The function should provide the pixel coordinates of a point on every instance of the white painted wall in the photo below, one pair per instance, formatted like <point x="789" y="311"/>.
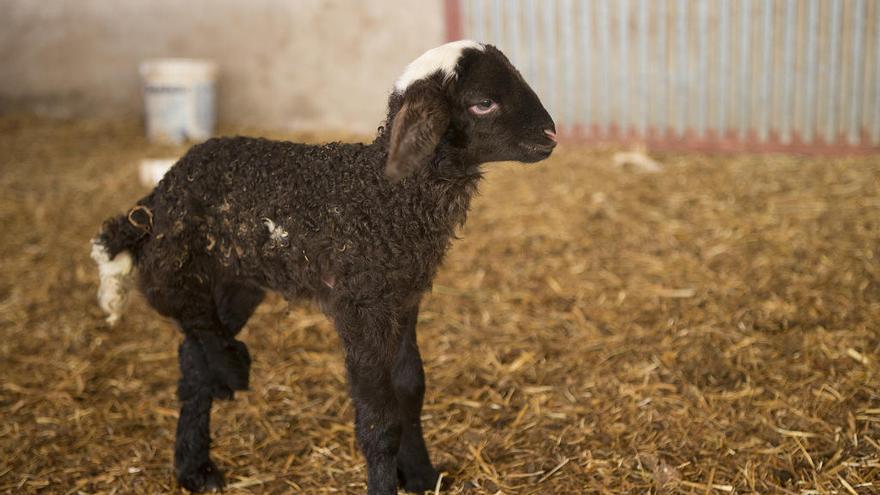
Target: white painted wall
<point x="287" y="64"/>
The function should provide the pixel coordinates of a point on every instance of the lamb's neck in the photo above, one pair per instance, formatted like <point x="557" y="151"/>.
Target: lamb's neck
<point x="447" y="182"/>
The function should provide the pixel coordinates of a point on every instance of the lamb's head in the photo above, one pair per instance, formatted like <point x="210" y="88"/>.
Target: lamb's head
<point x="470" y="96"/>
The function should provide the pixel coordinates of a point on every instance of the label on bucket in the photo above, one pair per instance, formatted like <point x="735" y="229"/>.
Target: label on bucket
<point x="204" y="112"/>
<point x="179" y="113"/>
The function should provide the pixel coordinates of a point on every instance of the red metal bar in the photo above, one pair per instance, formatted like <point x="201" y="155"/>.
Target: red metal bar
<point x="713" y="143"/>
<point x="452" y="14"/>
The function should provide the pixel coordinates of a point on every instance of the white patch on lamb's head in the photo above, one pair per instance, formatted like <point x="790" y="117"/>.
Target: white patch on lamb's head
<point x="443" y="58"/>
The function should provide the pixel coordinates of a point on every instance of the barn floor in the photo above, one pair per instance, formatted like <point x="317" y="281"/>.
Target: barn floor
<point x="712" y="328"/>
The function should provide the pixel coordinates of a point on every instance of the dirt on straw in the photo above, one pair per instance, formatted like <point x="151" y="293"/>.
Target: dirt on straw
<point x="712" y="328"/>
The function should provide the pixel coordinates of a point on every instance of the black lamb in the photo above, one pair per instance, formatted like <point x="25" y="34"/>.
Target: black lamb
<point x="361" y="228"/>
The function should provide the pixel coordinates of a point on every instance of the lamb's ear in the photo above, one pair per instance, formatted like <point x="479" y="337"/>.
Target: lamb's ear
<point x="417" y="129"/>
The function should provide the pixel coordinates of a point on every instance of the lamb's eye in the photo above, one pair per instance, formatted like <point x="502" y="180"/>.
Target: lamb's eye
<point x="483" y="107"/>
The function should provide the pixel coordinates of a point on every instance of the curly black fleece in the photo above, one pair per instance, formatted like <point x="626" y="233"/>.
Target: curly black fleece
<point x="346" y="225"/>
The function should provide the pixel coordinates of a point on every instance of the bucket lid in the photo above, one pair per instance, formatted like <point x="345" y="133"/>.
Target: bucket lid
<point x="178" y="70"/>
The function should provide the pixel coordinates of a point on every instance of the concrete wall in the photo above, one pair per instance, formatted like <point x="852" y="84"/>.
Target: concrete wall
<point x="291" y="64"/>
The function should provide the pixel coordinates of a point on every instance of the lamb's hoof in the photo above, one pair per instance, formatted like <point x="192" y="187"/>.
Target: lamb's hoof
<point x="205" y="478"/>
<point x="421" y="481"/>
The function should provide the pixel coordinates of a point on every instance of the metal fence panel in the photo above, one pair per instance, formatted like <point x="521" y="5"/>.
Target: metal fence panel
<point x="713" y="74"/>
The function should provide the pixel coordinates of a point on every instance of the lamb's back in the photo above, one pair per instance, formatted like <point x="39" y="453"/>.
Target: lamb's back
<point x="250" y="201"/>
<point x="243" y="171"/>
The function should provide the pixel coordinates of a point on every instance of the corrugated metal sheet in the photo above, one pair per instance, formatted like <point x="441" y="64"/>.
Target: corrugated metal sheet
<point x="743" y="74"/>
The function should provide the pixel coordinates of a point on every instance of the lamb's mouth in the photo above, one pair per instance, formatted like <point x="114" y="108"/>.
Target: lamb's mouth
<point x="538" y="151"/>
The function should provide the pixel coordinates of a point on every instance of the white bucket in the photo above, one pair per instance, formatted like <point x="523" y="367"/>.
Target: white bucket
<point x="179" y="99"/>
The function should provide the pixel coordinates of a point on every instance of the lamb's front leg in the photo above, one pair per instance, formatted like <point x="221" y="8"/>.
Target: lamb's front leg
<point x="413" y="463"/>
<point x="370" y="344"/>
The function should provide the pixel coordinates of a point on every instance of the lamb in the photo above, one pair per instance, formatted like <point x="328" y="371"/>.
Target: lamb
<point x="361" y="228"/>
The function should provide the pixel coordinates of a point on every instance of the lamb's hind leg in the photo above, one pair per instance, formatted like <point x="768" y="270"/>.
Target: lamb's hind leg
<point x="213" y="365"/>
<point x="236" y="302"/>
<point x="196" y="391"/>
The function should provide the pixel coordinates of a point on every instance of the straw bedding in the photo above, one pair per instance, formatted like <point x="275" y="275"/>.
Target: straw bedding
<point x="711" y="328"/>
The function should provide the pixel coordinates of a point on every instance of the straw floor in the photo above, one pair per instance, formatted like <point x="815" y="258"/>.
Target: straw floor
<point x="712" y="328"/>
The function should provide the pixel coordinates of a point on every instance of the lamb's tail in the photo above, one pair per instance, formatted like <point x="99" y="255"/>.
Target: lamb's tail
<point x="115" y="250"/>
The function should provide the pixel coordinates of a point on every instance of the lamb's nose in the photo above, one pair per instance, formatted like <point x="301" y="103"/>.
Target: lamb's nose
<point x="550" y="134"/>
